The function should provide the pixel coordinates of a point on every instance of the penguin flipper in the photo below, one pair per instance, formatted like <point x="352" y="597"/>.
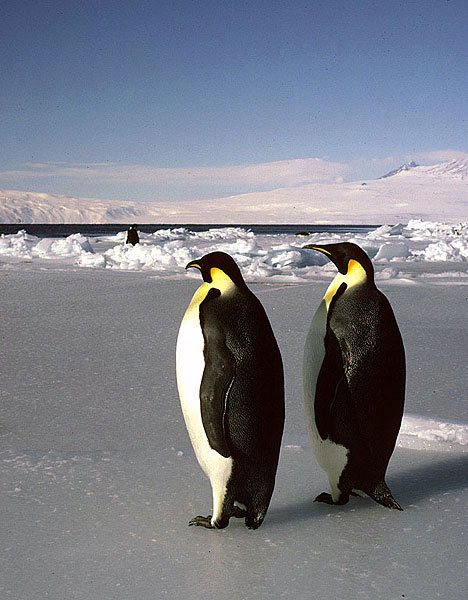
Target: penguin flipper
<point x="216" y="382"/>
<point x="217" y="378"/>
<point x="331" y="386"/>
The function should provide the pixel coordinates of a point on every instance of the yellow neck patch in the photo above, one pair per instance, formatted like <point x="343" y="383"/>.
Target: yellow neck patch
<point x="355" y="275"/>
<point x="221" y="281"/>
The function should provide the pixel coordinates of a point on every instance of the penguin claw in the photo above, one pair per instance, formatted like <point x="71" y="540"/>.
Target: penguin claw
<point x="202" y="522"/>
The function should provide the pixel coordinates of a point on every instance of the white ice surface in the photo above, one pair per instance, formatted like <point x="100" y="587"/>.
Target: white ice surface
<point x="414" y="250"/>
<point x="98" y="479"/>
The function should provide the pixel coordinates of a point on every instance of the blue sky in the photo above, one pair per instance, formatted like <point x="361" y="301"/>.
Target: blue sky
<point x="185" y="99"/>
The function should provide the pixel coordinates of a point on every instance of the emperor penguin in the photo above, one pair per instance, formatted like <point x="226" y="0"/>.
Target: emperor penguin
<point x="231" y="388"/>
<point x="354" y="380"/>
<point x="132" y="235"/>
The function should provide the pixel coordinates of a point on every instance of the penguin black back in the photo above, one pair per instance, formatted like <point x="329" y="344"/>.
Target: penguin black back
<point x="132" y="235"/>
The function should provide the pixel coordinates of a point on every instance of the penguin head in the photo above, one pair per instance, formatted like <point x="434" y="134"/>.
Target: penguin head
<point x="347" y="257"/>
<point x="218" y="268"/>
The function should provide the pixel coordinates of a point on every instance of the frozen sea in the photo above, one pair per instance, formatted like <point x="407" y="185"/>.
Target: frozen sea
<point x="98" y="479"/>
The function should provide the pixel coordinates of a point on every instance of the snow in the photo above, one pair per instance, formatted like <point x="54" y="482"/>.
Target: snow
<point x="455" y="168"/>
<point x="97" y="476"/>
<point x="406" y="167"/>
<point x="420" y="432"/>
<point x="433" y="193"/>
<point x="401" y="251"/>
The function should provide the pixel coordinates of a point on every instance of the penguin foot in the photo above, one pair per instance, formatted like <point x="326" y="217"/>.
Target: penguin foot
<point x="202" y="522"/>
<point x="324" y="497"/>
<point x="206" y="522"/>
<point x="328" y="499"/>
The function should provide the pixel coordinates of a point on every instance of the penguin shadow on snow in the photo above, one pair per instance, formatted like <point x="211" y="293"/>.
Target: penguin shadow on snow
<point x="308" y="509"/>
<point x="300" y="511"/>
<point x="411" y="486"/>
<point x="424" y="481"/>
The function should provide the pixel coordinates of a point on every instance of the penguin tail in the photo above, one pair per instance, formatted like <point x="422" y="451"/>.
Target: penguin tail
<point x="382" y="494"/>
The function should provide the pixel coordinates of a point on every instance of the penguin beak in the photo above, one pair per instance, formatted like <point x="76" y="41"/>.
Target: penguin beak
<point x="318" y="248"/>
<point x="332" y="252"/>
<point x="194" y="264"/>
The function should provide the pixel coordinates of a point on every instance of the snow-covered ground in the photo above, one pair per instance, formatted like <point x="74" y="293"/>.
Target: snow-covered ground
<point x="431" y="193"/>
<point x="98" y="478"/>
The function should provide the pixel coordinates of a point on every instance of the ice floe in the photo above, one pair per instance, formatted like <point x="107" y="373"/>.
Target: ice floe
<point x="280" y="257"/>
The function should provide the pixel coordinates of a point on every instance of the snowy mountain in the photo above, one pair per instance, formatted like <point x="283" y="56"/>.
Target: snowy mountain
<point x="454" y="168"/>
<point x="437" y="193"/>
<point x="406" y="167"/>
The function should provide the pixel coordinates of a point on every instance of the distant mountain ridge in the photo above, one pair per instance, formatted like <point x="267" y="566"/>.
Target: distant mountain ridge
<point x="456" y="168"/>
<point x="31" y="207"/>
<point x="438" y="193"/>
<point x="406" y="167"/>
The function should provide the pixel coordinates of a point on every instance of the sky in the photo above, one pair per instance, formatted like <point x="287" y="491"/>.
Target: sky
<point x="171" y="100"/>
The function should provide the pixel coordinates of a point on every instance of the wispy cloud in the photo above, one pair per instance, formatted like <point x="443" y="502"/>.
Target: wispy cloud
<point x="264" y="175"/>
<point x="387" y="161"/>
<point x="146" y="182"/>
<point x="436" y="156"/>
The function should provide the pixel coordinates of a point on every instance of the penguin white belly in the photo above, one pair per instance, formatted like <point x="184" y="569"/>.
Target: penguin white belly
<point x="330" y="456"/>
<point x="190" y="364"/>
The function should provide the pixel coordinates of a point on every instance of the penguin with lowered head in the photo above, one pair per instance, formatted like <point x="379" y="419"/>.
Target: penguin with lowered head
<point x="231" y="388"/>
<point x="354" y="380"/>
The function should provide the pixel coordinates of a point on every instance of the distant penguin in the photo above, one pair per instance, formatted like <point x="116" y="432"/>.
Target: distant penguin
<point x="354" y="380"/>
<point x="231" y="388"/>
<point x="132" y="235"/>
